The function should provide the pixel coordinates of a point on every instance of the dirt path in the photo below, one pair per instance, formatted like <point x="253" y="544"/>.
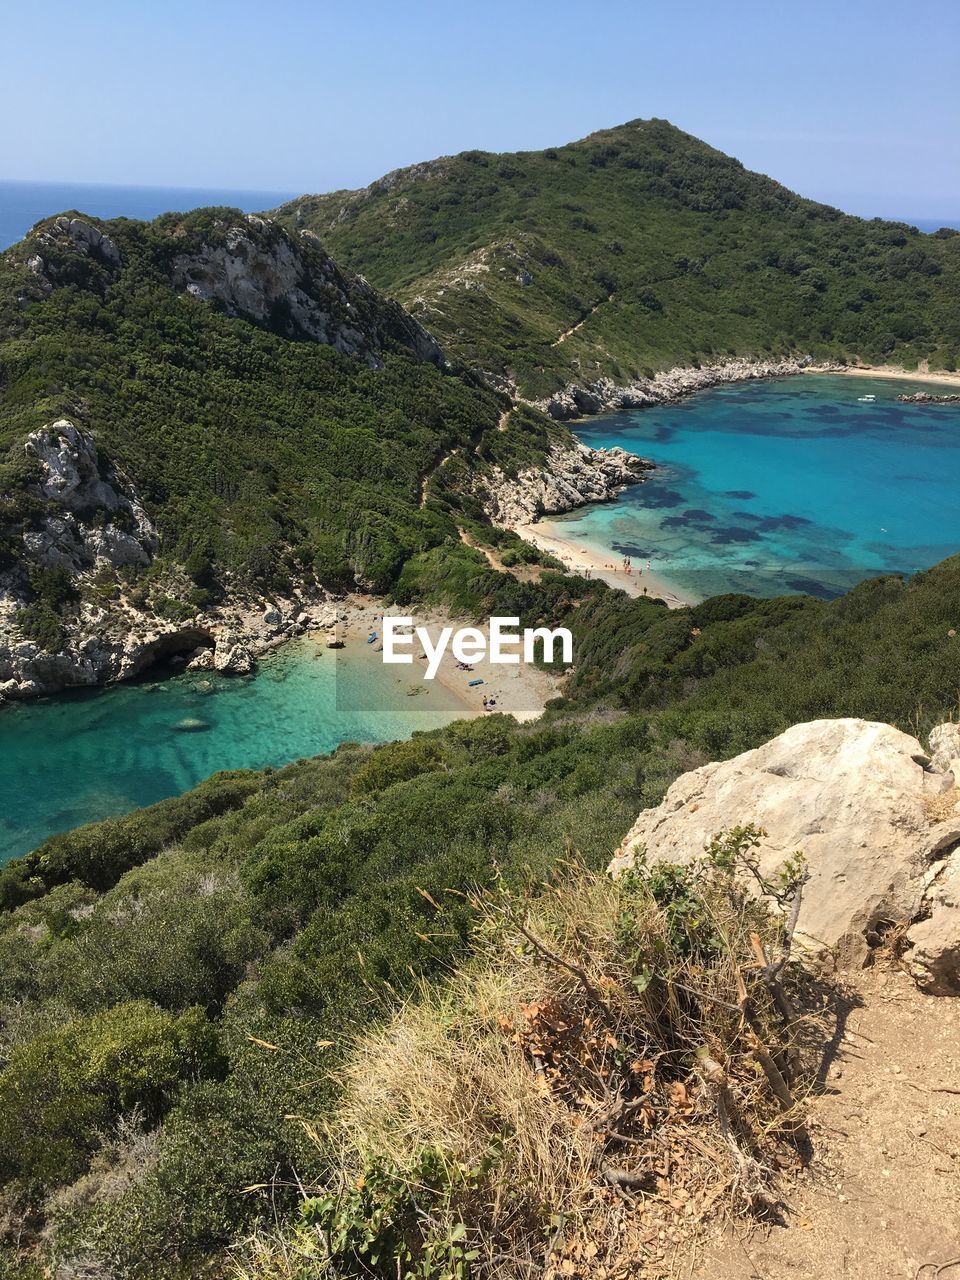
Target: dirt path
<point x="522" y="572"/>
<point x="881" y="1201"/>
<point x="445" y="458"/>
<point x="580" y="323"/>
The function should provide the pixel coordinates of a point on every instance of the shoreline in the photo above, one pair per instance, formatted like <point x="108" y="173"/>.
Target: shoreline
<point x="520" y="691"/>
<point x="941" y="377"/>
<point x="579" y="558"/>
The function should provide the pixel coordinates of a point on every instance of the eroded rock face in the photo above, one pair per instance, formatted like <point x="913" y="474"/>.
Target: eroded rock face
<point x="91" y="519"/>
<point x="83" y="237"/>
<point x="258" y="272"/>
<point x="880" y="827"/>
<point x="572" y="476"/>
<point x="603" y="395"/>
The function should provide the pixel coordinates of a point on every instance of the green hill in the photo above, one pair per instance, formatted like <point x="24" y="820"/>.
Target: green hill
<point x="275" y="415"/>
<point x="203" y="411"/>
<point x="646" y="248"/>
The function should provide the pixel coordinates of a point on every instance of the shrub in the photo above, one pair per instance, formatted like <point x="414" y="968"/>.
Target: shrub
<point x="62" y="1089"/>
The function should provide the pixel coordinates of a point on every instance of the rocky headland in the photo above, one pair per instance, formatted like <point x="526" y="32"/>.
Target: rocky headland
<point x="90" y="534"/>
<point x="571" y="476"/>
<point x="926" y="397"/>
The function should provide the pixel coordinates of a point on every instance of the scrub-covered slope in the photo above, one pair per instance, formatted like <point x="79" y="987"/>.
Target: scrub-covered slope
<point x="635" y="249"/>
<point x="178" y="987"/>
<point x="204" y="413"/>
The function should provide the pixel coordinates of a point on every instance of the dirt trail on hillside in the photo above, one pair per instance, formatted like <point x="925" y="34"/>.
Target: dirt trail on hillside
<point x="881" y="1200"/>
<point x="580" y="323"/>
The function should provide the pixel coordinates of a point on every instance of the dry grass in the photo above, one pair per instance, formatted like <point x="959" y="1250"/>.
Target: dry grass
<point x="575" y="1102"/>
<point x="940" y="808"/>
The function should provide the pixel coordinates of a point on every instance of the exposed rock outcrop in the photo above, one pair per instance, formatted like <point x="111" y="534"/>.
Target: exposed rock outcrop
<point x="77" y="234"/>
<point x="578" y="401"/>
<point x="89" y="520"/>
<point x="877" y="818"/>
<point x="254" y="269"/>
<point x="571" y="476"/>
<point x="927" y="397"/>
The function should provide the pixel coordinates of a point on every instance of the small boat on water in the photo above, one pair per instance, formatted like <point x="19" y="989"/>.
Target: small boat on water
<point x="867" y="398"/>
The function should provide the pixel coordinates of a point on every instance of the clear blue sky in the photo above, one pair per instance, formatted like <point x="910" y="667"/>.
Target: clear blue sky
<point x="850" y="102"/>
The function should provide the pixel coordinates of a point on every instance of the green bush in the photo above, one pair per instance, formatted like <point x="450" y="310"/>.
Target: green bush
<point x="63" y="1089"/>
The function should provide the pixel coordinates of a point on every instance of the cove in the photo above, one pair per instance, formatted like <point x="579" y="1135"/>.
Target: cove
<point x="793" y="485"/>
<point x="88" y="755"/>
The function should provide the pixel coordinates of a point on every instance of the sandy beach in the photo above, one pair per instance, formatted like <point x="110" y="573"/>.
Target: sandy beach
<point x="550" y="536"/>
<point x="520" y="691"/>
<point x="940" y="376"/>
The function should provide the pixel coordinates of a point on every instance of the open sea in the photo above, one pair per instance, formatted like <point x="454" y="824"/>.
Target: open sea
<point x="24" y="203"/>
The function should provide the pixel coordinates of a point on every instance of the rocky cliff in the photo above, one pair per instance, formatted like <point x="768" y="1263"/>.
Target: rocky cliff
<point x="251" y="268"/>
<point x="85" y="530"/>
<point x="572" y="475"/>
<point x="877" y="816"/>
<point x="605" y="395"/>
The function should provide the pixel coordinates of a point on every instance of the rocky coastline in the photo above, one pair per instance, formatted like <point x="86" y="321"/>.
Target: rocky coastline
<point x="104" y="646"/>
<point x="572" y="476"/>
<point x="604" y="395"/>
<point x="90" y="528"/>
<point x="926" y="397"/>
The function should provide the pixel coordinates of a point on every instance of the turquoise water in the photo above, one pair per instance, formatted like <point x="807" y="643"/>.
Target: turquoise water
<point x="792" y="485"/>
<point x="85" y="756"/>
<point x="761" y="487"/>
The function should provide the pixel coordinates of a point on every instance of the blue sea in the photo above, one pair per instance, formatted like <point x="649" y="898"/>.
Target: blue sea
<point x="24" y="203"/>
<point x="772" y="487"/>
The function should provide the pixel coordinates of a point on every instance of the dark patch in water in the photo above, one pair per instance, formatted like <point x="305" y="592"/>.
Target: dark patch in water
<point x="627" y="549"/>
<point x="770" y="524"/>
<point x="663" y="435"/>
<point x="662" y="498"/>
<point x="732" y="534"/>
<point x="744" y="495"/>
<point x="695" y="518"/>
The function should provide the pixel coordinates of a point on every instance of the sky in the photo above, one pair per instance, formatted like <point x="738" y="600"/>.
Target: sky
<point x="853" y="103"/>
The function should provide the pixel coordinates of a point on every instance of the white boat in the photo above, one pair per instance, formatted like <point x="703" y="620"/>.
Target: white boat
<point x="866" y="397"/>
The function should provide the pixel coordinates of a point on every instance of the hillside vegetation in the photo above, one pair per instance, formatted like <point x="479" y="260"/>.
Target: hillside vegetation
<point x="279" y="425"/>
<point x="179" y="987"/>
<point x="635" y="249"/>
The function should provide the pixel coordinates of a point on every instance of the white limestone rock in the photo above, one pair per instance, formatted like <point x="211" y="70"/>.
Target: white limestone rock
<point x="576" y="401"/>
<point x="865" y="805"/>
<point x="572" y="476"/>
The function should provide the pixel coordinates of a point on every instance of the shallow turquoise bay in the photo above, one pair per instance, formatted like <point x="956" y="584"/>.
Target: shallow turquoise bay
<point x="85" y="756"/>
<point x="791" y="485"/>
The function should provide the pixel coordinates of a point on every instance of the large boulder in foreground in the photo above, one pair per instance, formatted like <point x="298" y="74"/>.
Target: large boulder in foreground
<point x="879" y="823"/>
